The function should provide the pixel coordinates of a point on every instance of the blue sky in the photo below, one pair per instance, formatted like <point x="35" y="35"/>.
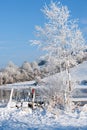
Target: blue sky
<point x="17" y="25"/>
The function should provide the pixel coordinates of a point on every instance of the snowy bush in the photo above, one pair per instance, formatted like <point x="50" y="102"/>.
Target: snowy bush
<point x="53" y="91"/>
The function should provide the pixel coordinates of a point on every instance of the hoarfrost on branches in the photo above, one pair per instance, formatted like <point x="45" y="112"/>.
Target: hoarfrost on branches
<point x="60" y="34"/>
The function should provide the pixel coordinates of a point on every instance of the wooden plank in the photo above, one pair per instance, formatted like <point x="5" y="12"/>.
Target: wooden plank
<point x="78" y="99"/>
<point x="80" y="87"/>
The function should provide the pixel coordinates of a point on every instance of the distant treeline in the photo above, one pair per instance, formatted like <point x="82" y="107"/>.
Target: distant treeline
<point x="30" y="71"/>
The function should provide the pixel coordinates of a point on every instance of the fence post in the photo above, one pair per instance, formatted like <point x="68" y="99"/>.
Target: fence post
<point x="10" y="100"/>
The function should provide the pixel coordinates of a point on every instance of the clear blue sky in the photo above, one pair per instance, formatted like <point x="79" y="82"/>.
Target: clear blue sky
<point x="17" y="24"/>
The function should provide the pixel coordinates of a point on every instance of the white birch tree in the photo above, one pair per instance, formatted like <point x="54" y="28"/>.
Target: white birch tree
<point x="60" y="34"/>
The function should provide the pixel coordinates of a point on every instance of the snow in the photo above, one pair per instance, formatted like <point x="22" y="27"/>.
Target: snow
<point x="43" y="119"/>
<point x="13" y="119"/>
<point x="79" y="72"/>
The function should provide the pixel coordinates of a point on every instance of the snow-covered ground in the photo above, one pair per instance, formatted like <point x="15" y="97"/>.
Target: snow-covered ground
<point x="17" y="119"/>
<point x="41" y="119"/>
<point x="79" y="72"/>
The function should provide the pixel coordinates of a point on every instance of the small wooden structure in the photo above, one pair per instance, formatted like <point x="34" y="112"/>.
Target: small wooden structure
<point x="19" y="96"/>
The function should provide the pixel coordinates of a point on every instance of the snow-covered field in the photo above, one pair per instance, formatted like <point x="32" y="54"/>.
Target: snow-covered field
<point x="41" y="119"/>
<point x="17" y="119"/>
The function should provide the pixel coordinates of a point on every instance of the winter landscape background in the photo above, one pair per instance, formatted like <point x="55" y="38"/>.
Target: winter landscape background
<point x="49" y="92"/>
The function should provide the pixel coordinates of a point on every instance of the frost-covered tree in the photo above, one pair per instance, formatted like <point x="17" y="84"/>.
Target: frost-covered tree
<point x="35" y="68"/>
<point x="9" y="73"/>
<point x="60" y="36"/>
<point x="34" y="65"/>
<point x="1" y="81"/>
<point x="11" y="68"/>
<point x="26" y="71"/>
<point x="26" y="66"/>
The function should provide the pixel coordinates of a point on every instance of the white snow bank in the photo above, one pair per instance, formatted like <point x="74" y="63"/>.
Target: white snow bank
<point x="17" y="119"/>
